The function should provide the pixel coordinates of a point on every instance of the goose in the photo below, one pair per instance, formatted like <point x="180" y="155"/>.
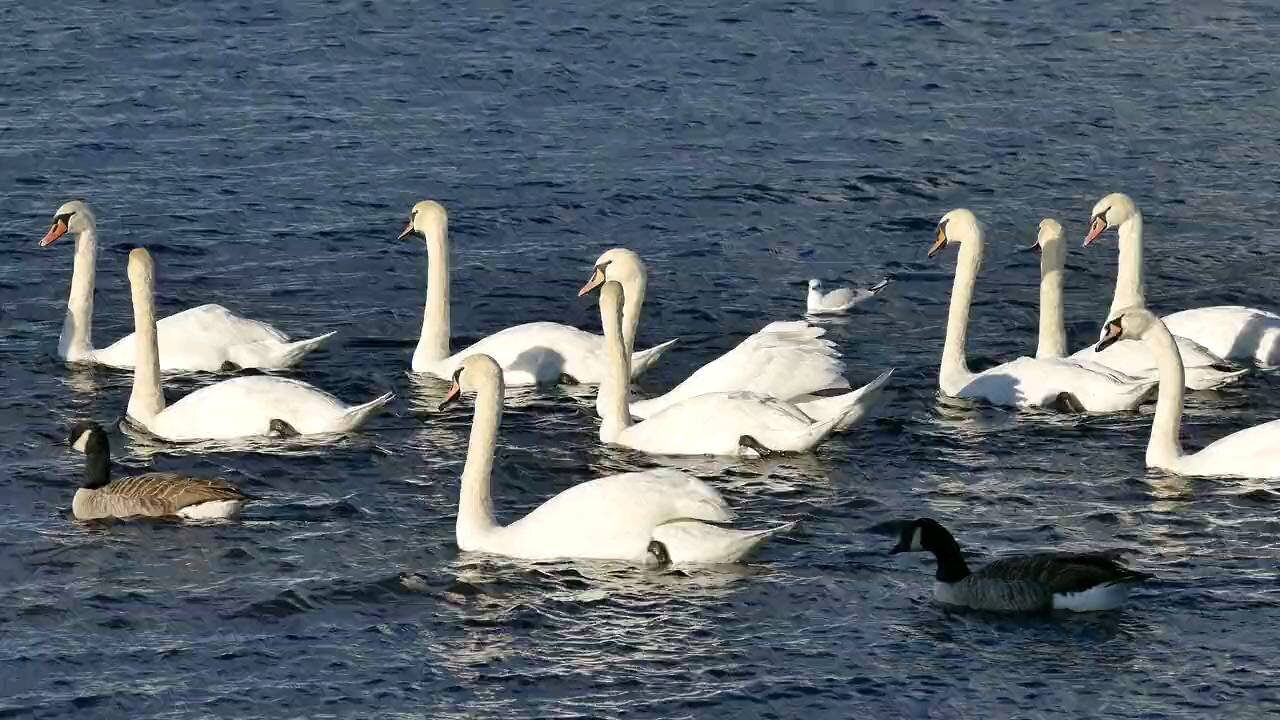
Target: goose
<point x="618" y="517"/>
<point x="209" y="337"/>
<point x="1226" y="332"/>
<point x="534" y="353"/>
<point x="150" y="495"/>
<point x="720" y="423"/>
<point x="1079" y="582"/>
<point x="840" y="300"/>
<point x="239" y="407"/>
<point x="1252" y="453"/>
<point x="1024" y="382"/>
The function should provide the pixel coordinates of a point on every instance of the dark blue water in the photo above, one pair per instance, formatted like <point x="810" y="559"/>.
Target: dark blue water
<point x="268" y="153"/>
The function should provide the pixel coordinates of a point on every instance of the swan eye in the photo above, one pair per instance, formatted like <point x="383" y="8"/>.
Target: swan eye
<point x="63" y="218"/>
<point x="1103" y="216"/>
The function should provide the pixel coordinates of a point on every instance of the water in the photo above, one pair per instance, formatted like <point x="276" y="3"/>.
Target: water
<point x="269" y="155"/>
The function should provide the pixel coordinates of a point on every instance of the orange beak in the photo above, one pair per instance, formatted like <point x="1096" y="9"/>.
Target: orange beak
<point x="455" y="392"/>
<point x="58" y="230"/>
<point x="1095" y="229"/>
<point x="597" y="279"/>
<point x="939" y="242"/>
<point x="408" y="230"/>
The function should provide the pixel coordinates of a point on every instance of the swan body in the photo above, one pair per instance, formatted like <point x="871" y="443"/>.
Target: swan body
<point x="149" y="495"/>
<point x="1078" y="582"/>
<point x="1228" y="332"/>
<point x="710" y="424"/>
<point x="834" y="302"/>
<point x="210" y="337"/>
<point x="1025" y="382"/>
<point x="619" y="517"/>
<point x="1252" y="453"/>
<point x="239" y="407"/>
<point x="535" y="353"/>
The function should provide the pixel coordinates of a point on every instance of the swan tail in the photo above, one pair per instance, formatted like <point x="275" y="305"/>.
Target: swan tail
<point x="292" y="353"/>
<point x="880" y="285"/>
<point x="358" y="415"/>
<point x="851" y="408"/>
<point x="1209" y="378"/>
<point x="693" y="541"/>
<point x="642" y="360"/>
<point x="270" y="354"/>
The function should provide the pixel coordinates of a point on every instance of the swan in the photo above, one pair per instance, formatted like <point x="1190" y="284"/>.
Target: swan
<point x="533" y="353"/>
<point x="720" y="423"/>
<point x="1024" y="382"/>
<point x="1230" y="332"/>
<point x="1079" y="582"/>
<point x="149" y="495"/>
<point x="633" y="517"/>
<point x="239" y="407"/>
<point x="840" y="300"/>
<point x="1252" y="453"/>
<point x="209" y="337"/>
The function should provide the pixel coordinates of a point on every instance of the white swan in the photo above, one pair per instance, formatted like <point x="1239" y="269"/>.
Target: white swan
<point x="1025" y="382"/>
<point x="632" y="517"/>
<point x="721" y="423"/>
<point x="840" y="300"/>
<point x="208" y="337"/>
<point x="1229" y="332"/>
<point x="1253" y="453"/>
<point x="530" y="354"/>
<point x="239" y="407"/>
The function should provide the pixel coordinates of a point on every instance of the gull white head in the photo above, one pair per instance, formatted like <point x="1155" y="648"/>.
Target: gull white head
<point x="427" y="218"/>
<point x="74" y="217"/>
<point x="619" y="265"/>
<point x="1111" y="211"/>
<point x="815" y="284"/>
<point x="955" y="228"/>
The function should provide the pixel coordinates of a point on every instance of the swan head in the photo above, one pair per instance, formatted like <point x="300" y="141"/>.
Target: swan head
<point x="1049" y="235"/>
<point x="1111" y="211"/>
<point x="955" y="228"/>
<point x="922" y="535"/>
<point x="620" y="265"/>
<point x="86" y="436"/>
<point x="475" y="372"/>
<point x="1128" y="324"/>
<point x="142" y="269"/>
<point x="815" y="284"/>
<point x="426" y="218"/>
<point x="74" y="217"/>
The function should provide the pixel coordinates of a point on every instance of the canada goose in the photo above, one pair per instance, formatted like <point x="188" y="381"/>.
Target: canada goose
<point x="150" y="495"/>
<point x="1081" y="582"/>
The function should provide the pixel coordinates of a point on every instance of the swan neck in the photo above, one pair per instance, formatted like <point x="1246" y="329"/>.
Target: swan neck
<point x="76" y="341"/>
<point x="633" y="291"/>
<point x="146" y="401"/>
<point x="475" y="501"/>
<point x="433" y="345"/>
<point x="612" y="400"/>
<point x="1053" y="326"/>
<point x="1129" y="286"/>
<point x="1164" y="447"/>
<point x="954" y="373"/>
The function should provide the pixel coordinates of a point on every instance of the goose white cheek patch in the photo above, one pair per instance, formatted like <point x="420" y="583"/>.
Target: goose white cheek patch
<point x="82" y="442"/>
<point x="916" y="544"/>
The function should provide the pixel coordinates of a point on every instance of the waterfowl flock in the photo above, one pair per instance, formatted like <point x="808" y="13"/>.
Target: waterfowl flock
<point x="781" y="390"/>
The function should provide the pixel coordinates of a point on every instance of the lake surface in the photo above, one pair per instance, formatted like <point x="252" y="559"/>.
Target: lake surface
<point x="268" y="154"/>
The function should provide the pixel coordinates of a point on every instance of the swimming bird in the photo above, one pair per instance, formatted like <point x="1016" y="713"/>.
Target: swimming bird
<point x="839" y="300"/>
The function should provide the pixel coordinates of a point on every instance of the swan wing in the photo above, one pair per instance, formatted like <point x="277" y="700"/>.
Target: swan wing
<point x="714" y="423"/>
<point x="1232" y="332"/>
<point x="195" y="339"/>
<point x="540" y="352"/>
<point x="245" y="406"/>
<point x="1252" y="452"/>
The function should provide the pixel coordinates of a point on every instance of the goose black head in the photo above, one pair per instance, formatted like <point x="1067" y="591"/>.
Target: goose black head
<point x="90" y="439"/>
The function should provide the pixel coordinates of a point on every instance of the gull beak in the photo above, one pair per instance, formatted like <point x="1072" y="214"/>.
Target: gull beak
<point x="455" y="392"/>
<point x="1112" y="334"/>
<point x="1095" y="229"/>
<point x="58" y="230"/>
<point x="939" y="242"/>
<point x="408" y="230"/>
<point x="597" y="279"/>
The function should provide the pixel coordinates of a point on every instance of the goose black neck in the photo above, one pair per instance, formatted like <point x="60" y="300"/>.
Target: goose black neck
<point x="97" y="463"/>
<point x="951" y="564"/>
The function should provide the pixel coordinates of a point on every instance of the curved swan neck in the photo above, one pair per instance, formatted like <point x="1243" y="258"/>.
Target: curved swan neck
<point x="475" y="502"/>
<point x="433" y="345"/>
<point x="1164" y="447"/>
<point x="612" y="400"/>
<point x="633" y="300"/>
<point x="147" y="400"/>
<point x="76" y="341"/>
<point x="1129" y="286"/>
<point x="1053" y="327"/>
<point x="954" y="373"/>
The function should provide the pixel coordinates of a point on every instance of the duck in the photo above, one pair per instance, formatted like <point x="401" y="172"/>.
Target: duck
<point x="158" y="494"/>
<point x="1250" y="453"/>
<point x="259" y="405"/>
<point x="1077" y="582"/>
<point x="207" y="338"/>
<point x="718" y="423"/>
<point x="1222" y="332"/>
<point x="820" y="301"/>
<point x="1051" y="383"/>
<point x="637" y="517"/>
<point x="535" y="353"/>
